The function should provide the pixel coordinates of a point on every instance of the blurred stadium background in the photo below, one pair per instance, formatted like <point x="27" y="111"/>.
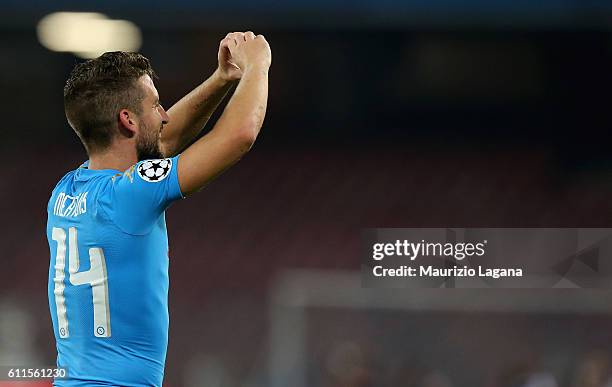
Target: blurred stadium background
<point x="382" y="114"/>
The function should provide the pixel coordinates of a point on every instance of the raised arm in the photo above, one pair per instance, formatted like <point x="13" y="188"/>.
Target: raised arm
<point x="238" y="127"/>
<point x="191" y="113"/>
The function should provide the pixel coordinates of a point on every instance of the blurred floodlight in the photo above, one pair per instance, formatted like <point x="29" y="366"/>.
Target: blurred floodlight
<point x="87" y="34"/>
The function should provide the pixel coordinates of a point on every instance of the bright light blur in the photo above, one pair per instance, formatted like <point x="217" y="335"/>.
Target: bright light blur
<point x="87" y="34"/>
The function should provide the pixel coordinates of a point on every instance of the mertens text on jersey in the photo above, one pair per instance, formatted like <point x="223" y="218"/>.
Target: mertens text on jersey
<point x="70" y="206"/>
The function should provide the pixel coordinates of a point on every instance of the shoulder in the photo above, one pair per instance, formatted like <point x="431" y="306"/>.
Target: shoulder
<point x="68" y="177"/>
<point x="154" y="178"/>
<point x="136" y="198"/>
<point x="146" y="171"/>
<point x="62" y="183"/>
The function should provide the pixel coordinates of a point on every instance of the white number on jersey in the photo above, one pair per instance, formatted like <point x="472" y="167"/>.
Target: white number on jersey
<point x="96" y="277"/>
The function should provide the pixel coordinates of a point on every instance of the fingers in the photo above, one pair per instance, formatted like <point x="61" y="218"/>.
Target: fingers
<point x="239" y="37"/>
<point x="245" y="48"/>
<point x="226" y="42"/>
<point x="235" y="38"/>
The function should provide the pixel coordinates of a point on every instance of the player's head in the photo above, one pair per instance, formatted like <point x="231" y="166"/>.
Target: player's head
<point x="113" y="98"/>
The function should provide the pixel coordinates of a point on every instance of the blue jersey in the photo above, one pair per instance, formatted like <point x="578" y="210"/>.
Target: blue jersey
<point x="108" y="274"/>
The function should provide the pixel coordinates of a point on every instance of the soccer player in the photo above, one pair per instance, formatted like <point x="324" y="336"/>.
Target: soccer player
<point x="108" y="274"/>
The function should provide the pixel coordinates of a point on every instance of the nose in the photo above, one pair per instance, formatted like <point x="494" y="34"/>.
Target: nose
<point x="164" y="116"/>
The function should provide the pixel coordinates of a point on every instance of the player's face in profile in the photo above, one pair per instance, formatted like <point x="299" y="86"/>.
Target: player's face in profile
<point x="152" y="120"/>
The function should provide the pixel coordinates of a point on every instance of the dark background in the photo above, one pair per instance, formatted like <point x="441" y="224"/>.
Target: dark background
<point x="411" y="114"/>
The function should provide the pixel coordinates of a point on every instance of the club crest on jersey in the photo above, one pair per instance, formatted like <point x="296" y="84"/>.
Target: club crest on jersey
<point x="154" y="171"/>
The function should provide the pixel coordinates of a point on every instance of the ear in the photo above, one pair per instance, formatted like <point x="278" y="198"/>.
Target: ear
<point x="128" y="123"/>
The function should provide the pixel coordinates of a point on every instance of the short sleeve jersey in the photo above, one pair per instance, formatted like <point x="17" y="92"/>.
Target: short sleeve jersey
<point x="108" y="273"/>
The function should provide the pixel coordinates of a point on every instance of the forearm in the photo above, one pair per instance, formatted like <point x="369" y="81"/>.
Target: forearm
<point x="191" y="113"/>
<point x="247" y="108"/>
<point x="232" y="135"/>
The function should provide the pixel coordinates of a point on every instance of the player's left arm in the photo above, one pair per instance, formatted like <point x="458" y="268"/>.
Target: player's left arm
<point x="191" y="113"/>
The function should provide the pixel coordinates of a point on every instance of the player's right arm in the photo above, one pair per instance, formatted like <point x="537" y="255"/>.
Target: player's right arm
<point x="237" y="128"/>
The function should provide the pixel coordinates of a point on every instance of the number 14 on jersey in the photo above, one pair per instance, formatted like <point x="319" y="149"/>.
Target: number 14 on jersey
<point x="96" y="277"/>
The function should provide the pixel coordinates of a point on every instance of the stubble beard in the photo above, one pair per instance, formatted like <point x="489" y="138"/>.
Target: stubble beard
<point x="147" y="145"/>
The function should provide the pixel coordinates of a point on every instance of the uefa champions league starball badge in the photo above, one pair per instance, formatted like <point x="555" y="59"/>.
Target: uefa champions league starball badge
<point x="155" y="171"/>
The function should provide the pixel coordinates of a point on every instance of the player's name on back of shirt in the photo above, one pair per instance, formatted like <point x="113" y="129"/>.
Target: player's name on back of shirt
<point x="70" y="206"/>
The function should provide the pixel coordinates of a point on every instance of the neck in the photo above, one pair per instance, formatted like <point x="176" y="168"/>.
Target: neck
<point x="112" y="159"/>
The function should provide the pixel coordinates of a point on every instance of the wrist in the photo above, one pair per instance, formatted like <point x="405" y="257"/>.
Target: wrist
<point x="257" y="67"/>
<point x="222" y="79"/>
